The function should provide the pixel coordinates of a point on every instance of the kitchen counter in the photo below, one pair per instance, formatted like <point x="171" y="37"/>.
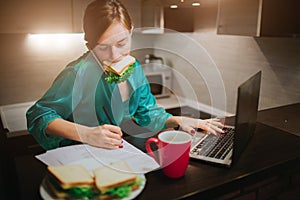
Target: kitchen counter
<point x="169" y="102"/>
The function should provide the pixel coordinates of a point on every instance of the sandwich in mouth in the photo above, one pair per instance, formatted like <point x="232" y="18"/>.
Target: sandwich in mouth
<point x="120" y="71"/>
<point x="114" y="181"/>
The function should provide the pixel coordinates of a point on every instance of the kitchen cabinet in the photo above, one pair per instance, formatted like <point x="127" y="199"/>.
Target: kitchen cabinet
<point x="157" y="15"/>
<point x="78" y="8"/>
<point x="55" y="16"/>
<point x="35" y="16"/>
<point x="259" y="17"/>
<point x="152" y="16"/>
<point x="180" y="19"/>
<point x="280" y="18"/>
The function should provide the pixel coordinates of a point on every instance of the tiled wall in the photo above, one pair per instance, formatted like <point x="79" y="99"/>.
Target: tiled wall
<point x="29" y="63"/>
<point x="25" y="73"/>
<point x="210" y="67"/>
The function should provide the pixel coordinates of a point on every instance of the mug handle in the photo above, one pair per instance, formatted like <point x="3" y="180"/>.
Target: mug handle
<point x="149" y="150"/>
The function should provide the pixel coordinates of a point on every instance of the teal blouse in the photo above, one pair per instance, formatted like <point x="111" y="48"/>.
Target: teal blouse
<point x="80" y="93"/>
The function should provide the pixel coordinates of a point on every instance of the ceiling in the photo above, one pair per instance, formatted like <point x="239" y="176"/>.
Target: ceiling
<point x="187" y="3"/>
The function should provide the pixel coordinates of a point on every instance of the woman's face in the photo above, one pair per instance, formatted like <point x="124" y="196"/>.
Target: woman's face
<point x="114" y="44"/>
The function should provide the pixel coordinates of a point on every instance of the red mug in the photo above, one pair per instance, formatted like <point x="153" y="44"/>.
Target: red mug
<point x="173" y="152"/>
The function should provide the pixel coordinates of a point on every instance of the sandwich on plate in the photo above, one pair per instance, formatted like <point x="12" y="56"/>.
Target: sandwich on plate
<point x="120" y="71"/>
<point x="114" y="181"/>
<point x="69" y="182"/>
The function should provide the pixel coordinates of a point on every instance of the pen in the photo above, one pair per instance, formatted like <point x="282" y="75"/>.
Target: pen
<point x="110" y="120"/>
<point x="107" y="115"/>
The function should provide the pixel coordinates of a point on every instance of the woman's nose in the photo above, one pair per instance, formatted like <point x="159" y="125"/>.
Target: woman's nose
<point x="115" y="54"/>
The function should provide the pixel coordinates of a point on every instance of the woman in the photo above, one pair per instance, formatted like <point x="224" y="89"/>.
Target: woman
<point x="81" y="105"/>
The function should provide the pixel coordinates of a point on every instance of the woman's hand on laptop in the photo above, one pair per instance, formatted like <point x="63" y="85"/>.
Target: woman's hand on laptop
<point x="189" y="125"/>
<point x="213" y="126"/>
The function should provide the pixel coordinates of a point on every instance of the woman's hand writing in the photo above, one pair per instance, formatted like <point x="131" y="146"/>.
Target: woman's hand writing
<point x="105" y="136"/>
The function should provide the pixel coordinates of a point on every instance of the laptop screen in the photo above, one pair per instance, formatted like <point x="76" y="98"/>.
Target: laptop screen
<point x="246" y="113"/>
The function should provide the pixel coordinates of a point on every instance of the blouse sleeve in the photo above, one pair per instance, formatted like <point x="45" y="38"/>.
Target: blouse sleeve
<point x="148" y="113"/>
<point x="56" y="103"/>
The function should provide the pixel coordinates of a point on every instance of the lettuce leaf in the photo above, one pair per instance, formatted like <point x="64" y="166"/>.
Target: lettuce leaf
<point x="112" y="77"/>
<point x="124" y="190"/>
<point x="74" y="192"/>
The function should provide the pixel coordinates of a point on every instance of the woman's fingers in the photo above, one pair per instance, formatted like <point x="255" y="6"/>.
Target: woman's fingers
<point x="113" y="142"/>
<point x="213" y="126"/>
<point x="215" y="121"/>
<point x="113" y="135"/>
<point x="211" y="130"/>
<point x="114" y="129"/>
<point x="190" y="130"/>
<point x="110" y="137"/>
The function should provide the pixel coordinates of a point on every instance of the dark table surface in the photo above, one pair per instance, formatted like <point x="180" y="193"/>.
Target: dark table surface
<point x="286" y="118"/>
<point x="270" y="151"/>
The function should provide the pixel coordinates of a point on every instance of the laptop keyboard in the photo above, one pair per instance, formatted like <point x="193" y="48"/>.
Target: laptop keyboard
<point x="215" y="146"/>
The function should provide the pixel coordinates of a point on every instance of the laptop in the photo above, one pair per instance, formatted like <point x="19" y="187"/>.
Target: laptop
<point x="224" y="149"/>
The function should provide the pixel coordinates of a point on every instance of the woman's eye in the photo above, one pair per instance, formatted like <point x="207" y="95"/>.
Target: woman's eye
<point x="121" y="44"/>
<point x="103" y="47"/>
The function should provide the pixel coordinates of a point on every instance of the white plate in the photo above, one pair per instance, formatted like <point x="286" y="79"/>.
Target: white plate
<point x="46" y="196"/>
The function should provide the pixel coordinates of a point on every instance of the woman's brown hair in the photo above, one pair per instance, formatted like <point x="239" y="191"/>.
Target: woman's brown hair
<point x="99" y="15"/>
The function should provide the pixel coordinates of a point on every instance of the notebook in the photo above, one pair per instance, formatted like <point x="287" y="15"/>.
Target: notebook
<point x="225" y="149"/>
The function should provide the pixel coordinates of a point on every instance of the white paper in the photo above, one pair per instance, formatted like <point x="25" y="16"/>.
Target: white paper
<point x="93" y="157"/>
